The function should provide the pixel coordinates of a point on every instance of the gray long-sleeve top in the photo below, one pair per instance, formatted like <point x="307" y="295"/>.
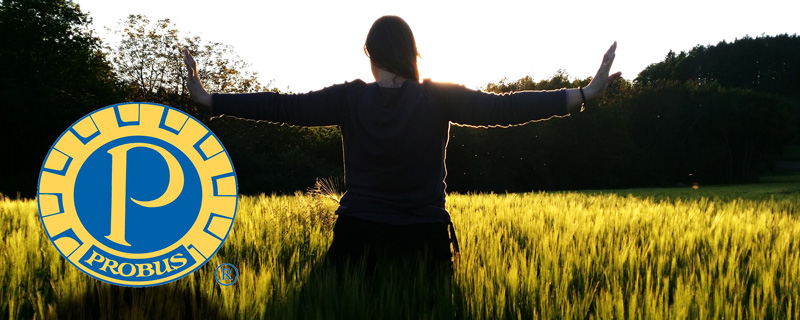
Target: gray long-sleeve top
<point x="394" y="139"/>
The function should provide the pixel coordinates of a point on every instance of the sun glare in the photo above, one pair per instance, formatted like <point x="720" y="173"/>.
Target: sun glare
<point x="308" y="47"/>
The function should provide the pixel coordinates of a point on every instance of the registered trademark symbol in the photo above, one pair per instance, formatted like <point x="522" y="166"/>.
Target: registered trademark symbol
<point x="226" y="274"/>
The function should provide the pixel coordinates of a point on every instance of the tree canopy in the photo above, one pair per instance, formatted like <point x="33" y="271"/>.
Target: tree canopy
<point x="52" y="72"/>
<point x="148" y="61"/>
<point x="715" y="114"/>
<point x="765" y="64"/>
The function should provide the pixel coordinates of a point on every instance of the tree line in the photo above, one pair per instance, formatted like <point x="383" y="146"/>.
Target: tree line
<point x="715" y="114"/>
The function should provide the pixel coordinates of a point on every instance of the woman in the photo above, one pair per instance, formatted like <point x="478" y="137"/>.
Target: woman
<point x="394" y="135"/>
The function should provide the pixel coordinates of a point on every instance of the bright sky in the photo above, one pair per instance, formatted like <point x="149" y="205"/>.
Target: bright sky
<point x="308" y="45"/>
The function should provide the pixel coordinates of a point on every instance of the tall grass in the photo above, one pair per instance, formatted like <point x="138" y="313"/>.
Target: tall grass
<point x="720" y="252"/>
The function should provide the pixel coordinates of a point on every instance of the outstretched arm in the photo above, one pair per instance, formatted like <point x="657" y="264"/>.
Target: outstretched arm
<point x="475" y="108"/>
<point x="598" y="84"/>
<point x="196" y="90"/>
<point x="317" y="108"/>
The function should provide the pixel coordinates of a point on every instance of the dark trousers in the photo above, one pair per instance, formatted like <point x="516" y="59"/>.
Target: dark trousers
<point x="359" y="240"/>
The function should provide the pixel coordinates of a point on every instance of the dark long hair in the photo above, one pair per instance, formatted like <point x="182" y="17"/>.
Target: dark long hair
<point x="391" y="46"/>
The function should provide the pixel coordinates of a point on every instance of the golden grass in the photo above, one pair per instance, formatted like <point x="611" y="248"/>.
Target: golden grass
<point x="535" y="255"/>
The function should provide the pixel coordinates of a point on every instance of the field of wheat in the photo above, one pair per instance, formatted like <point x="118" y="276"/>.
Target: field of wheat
<point x="716" y="252"/>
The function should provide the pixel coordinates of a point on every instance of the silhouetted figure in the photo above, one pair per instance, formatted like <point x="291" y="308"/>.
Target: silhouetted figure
<point x="395" y="133"/>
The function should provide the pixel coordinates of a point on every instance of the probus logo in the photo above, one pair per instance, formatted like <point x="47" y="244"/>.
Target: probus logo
<point x="137" y="194"/>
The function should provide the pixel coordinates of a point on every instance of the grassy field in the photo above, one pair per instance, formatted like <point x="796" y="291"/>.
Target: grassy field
<point x="715" y="252"/>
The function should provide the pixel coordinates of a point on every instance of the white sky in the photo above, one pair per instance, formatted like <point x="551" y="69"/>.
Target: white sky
<point x="307" y="45"/>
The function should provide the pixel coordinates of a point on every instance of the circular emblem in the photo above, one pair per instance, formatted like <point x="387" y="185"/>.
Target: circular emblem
<point x="137" y="194"/>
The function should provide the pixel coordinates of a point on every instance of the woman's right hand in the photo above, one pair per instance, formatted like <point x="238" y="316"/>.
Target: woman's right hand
<point x="196" y="91"/>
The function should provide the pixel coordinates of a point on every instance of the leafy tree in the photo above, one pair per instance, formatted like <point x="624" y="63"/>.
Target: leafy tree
<point x="268" y="158"/>
<point x="52" y="72"/>
<point x="751" y="82"/>
<point x="149" y="61"/>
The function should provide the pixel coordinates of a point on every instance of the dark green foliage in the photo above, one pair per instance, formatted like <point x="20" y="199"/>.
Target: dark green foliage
<point x="767" y="64"/>
<point x="728" y="109"/>
<point x="584" y="150"/>
<point x="718" y="114"/>
<point x="277" y="158"/>
<point x="52" y="73"/>
<point x="690" y="132"/>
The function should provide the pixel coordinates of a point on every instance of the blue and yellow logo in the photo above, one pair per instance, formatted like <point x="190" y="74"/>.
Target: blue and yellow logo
<point x="137" y="194"/>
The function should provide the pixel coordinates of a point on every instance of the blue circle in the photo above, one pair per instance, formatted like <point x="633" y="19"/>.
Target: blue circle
<point x="146" y="229"/>
<point x="236" y="278"/>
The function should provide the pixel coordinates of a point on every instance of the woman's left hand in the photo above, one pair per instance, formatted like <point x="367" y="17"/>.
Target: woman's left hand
<point x="602" y="78"/>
